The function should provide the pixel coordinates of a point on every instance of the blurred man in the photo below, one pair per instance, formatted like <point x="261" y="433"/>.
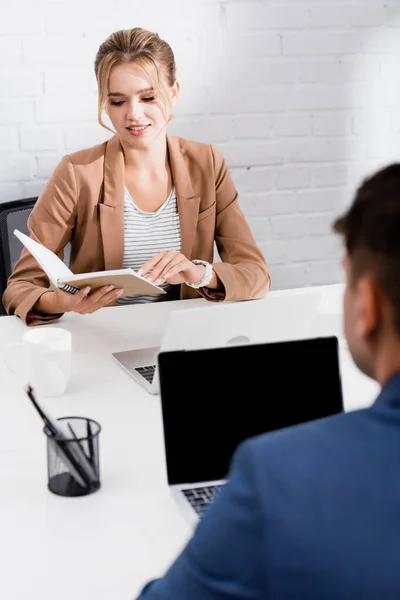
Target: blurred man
<point x="313" y="511"/>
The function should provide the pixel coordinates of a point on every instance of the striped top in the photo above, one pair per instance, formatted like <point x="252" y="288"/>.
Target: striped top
<point x="146" y="234"/>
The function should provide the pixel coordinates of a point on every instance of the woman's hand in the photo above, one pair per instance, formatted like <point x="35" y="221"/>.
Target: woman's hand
<point x="171" y="267"/>
<point x="57" y="301"/>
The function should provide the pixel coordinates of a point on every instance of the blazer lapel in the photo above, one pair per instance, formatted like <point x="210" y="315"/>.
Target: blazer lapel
<point x="188" y="202"/>
<point x="112" y="206"/>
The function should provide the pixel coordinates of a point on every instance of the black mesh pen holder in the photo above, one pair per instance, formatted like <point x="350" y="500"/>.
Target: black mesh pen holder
<point x="73" y="466"/>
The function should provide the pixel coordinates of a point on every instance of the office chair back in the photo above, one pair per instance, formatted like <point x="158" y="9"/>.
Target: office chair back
<point x="13" y="215"/>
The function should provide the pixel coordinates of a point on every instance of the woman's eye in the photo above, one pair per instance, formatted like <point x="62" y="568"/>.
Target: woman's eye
<point x="150" y="99"/>
<point x="116" y="103"/>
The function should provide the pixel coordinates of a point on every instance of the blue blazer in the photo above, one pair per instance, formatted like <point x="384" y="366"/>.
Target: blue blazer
<point x="309" y="512"/>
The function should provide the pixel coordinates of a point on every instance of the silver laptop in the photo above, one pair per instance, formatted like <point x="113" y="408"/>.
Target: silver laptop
<point x="226" y="395"/>
<point x="270" y="319"/>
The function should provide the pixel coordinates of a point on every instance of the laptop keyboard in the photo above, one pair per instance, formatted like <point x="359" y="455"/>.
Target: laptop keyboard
<point x="200" y="497"/>
<point x="147" y="372"/>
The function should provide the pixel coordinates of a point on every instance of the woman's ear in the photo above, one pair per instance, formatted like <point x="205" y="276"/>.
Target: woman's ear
<point x="174" y="92"/>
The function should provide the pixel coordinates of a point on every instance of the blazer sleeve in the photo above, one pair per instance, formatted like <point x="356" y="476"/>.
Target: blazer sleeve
<point x="243" y="270"/>
<point x="224" y="558"/>
<point x="51" y="223"/>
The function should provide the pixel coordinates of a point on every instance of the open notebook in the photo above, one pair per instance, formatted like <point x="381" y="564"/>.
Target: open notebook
<point x="61" y="276"/>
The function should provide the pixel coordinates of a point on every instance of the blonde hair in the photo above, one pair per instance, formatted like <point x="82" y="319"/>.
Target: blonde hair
<point x="144" y="48"/>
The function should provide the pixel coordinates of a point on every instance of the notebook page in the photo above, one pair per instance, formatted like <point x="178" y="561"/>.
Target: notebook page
<point x="50" y="263"/>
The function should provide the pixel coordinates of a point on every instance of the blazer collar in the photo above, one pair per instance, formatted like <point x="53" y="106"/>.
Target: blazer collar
<point x="111" y="207"/>
<point x="180" y="173"/>
<point x="390" y="392"/>
<point x="187" y="200"/>
<point x="114" y="173"/>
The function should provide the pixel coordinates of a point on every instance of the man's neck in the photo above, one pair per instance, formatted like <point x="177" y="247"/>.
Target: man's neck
<point x="387" y="358"/>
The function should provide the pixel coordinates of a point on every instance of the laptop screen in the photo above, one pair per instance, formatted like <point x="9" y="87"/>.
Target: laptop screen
<point x="213" y="399"/>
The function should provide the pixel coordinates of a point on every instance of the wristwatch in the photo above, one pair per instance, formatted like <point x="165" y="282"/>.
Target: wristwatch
<point x="208" y="274"/>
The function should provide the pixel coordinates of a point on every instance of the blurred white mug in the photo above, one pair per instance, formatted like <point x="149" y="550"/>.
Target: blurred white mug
<point x="42" y="359"/>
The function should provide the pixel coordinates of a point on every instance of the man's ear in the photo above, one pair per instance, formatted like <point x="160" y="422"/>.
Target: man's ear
<point x="367" y="308"/>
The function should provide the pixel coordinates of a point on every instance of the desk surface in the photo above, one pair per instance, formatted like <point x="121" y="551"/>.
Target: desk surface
<point x="109" y="544"/>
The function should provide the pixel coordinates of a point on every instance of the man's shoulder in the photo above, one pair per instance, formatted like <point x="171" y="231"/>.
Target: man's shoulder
<point x="311" y="445"/>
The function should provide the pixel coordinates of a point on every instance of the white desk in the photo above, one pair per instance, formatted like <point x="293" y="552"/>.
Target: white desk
<point x="107" y="545"/>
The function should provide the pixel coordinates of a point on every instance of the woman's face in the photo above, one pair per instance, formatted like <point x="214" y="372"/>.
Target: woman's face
<point x="137" y="115"/>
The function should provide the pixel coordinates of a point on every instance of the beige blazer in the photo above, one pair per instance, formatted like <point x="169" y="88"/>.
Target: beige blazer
<point x="83" y="203"/>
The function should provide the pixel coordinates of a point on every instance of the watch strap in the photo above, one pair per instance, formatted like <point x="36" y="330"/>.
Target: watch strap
<point x="208" y="274"/>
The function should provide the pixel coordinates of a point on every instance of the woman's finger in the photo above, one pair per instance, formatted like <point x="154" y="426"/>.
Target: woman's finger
<point x="162" y="265"/>
<point x="150" y="264"/>
<point x="177" y="265"/>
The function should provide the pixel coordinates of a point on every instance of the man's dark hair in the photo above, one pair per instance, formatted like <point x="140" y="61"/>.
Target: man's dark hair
<point x="371" y="232"/>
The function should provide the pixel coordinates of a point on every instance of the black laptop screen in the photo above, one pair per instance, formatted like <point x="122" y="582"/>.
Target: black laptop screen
<point x="214" y="399"/>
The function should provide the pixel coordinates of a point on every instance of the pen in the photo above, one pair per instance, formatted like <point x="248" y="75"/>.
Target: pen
<point x="76" y="437"/>
<point x="90" y="441"/>
<point x="45" y="419"/>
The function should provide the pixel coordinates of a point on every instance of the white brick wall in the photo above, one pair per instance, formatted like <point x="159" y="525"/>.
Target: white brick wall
<point x="301" y="96"/>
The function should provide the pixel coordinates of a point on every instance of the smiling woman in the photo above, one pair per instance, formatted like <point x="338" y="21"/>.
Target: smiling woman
<point x="143" y="199"/>
<point x="138" y="112"/>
